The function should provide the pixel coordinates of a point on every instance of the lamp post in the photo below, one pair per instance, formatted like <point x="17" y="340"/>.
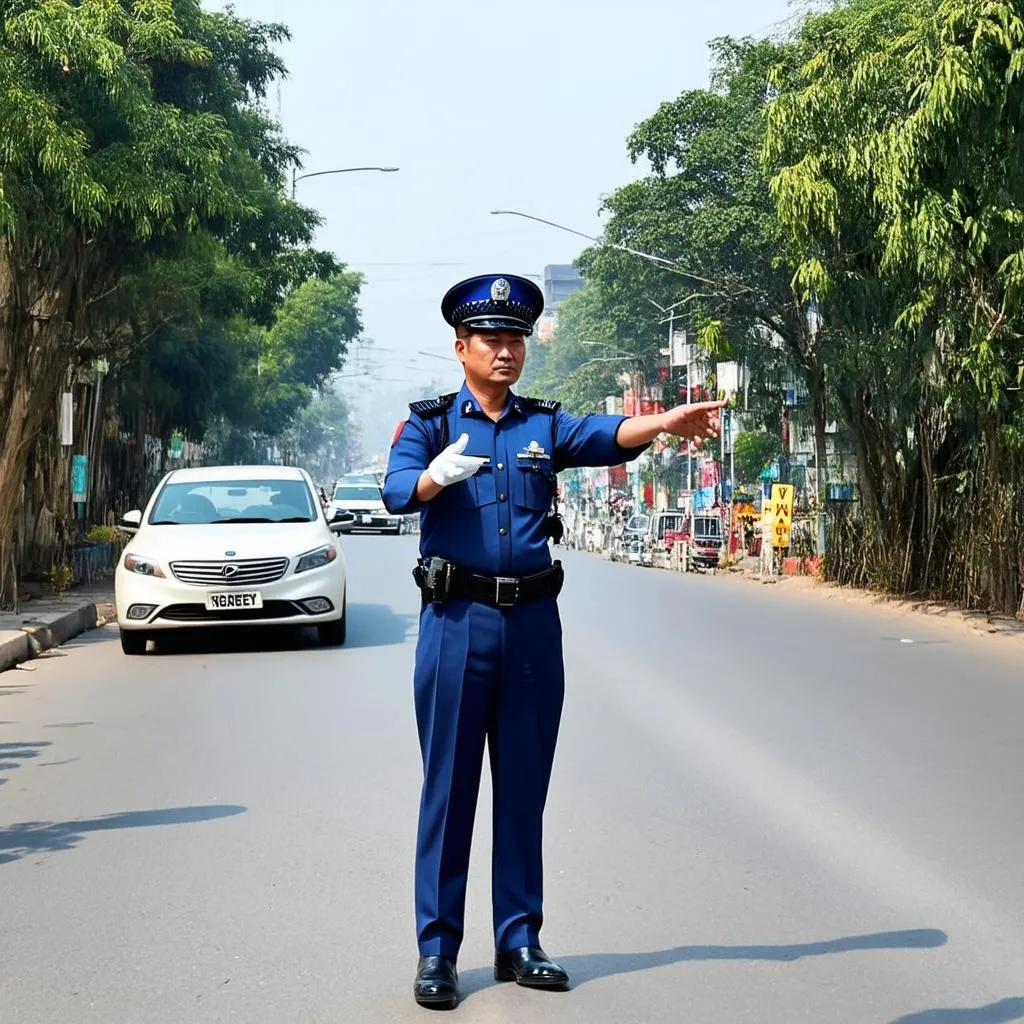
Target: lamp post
<point x="340" y="170"/>
<point x="669" y="315"/>
<point x="660" y="261"/>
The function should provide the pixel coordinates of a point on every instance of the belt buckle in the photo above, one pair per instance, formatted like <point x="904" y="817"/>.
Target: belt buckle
<point x="506" y="581"/>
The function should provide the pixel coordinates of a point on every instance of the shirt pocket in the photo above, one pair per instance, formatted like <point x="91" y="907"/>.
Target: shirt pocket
<point x="477" y="491"/>
<point x="532" y="488"/>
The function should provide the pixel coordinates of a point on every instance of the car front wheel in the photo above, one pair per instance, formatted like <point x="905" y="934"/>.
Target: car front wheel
<point x="332" y="634"/>
<point x="133" y="642"/>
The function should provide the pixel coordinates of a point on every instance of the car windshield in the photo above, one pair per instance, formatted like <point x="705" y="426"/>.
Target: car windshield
<point x="666" y="523"/>
<point x="348" y="493"/>
<point x="233" y="501"/>
<point x="707" y="527"/>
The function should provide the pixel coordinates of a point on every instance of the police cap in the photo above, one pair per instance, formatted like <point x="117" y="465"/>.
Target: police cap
<point x="494" y="302"/>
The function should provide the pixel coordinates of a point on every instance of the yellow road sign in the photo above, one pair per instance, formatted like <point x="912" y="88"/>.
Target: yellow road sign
<point x="781" y="514"/>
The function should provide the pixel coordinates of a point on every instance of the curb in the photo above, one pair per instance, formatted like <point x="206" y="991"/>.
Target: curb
<point x="14" y="651"/>
<point x="44" y="633"/>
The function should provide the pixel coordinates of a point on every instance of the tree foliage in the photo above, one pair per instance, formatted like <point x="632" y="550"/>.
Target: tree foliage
<point x="708" y="211"/>
<point x="143" y="217"/>
<point x="579" y="366"/>
<point x="841" y="209"/>
<point x="753" y="451"/>
<point x="896" y="151"/>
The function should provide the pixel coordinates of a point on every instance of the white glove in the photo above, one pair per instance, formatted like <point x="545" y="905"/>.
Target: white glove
<point x="451" y="465"/>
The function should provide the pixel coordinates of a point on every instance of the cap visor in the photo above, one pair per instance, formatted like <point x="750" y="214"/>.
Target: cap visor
<point x="498" y="323"/>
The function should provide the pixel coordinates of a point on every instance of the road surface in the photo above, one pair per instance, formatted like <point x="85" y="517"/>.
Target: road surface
<point x="763" y="811"/>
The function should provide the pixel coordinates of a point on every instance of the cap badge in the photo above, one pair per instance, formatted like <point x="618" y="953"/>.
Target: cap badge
<point x="501" y="290"/>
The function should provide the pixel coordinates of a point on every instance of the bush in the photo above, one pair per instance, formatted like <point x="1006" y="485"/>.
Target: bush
<point x="106" y="535"/>
<point x="61" y="577"/>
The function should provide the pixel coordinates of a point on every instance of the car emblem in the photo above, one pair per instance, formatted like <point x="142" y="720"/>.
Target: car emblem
<point x="229" y="571"/>
<point x="501" y="290"/>
<point x="230" y="554"/>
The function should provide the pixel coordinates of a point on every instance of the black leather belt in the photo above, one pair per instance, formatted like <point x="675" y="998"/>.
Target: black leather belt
<point x="439" y="579"/>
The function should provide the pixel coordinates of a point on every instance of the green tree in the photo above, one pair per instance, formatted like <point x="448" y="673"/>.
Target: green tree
<point x="129" y="131"/>
<point x="752" y="452"/>
<point x="301" y="350"/>
<point x="899" y="180"/>
<point x="310" y="335"/>
<point x="707" y="212"/>
<point x="579" y="365"/>
<point x="323" y="438"/>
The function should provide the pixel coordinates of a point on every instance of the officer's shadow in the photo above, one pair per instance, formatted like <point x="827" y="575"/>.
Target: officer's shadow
<point x="588" y="967"/>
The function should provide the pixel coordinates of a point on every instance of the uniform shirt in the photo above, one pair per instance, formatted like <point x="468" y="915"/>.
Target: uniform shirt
<point x="494" y="522"/>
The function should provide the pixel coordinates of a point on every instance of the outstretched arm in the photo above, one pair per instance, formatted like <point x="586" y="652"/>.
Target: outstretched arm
<point x="696" y="422"/>
<point x="610" y="440"/>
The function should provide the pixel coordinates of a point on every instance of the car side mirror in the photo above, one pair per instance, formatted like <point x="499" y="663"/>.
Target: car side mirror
<point x="340" y="520"/>
<point x="131" y="521"/>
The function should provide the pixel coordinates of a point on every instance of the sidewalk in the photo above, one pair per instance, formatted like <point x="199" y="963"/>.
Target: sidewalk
<point x="979" y="623"/>
<point x="48" y="621"/>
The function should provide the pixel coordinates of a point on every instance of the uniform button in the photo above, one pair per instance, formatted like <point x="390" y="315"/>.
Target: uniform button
<point x="501" y="497"/>
<point x="501" y="465"/>
<point x="503" y="531"/>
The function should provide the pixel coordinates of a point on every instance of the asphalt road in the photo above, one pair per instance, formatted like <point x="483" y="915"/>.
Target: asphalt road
<point x="763" y="810"/>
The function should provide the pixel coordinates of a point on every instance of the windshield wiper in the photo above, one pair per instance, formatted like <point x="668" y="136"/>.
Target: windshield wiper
<point x="165" y="522"/>
<point x="263" y="519"/>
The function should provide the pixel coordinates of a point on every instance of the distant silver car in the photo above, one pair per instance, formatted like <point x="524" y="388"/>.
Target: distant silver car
<point x="366" y="505"/>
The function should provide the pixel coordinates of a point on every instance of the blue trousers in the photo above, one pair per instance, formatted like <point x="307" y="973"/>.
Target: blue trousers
<point x="481" y="674"/>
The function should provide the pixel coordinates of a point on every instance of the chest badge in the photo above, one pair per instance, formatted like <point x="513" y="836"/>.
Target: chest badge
<point x="533" y="452"/>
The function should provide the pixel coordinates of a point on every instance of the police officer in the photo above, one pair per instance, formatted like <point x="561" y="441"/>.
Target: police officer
<point x="480" y="467"/>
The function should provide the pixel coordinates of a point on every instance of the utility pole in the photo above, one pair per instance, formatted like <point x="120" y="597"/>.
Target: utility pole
<point x="721" y="438"/>
<point x="732" y="452"/>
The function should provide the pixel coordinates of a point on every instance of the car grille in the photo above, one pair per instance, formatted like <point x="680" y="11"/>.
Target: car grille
<point x="248" y="572"/>
<point x="200" y="613"/>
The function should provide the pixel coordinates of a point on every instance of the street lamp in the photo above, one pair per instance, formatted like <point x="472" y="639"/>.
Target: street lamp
<point x="659" y="261"/>
<point x="668" y="312"/>
<point x="340" y="170"/>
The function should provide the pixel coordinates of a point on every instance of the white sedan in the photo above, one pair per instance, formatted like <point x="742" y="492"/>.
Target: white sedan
<point x="231" y="546"/>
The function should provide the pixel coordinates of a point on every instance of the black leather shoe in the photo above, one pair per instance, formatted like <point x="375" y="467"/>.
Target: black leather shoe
<point x="529" y="966"/>
<point x="437" y="983"/>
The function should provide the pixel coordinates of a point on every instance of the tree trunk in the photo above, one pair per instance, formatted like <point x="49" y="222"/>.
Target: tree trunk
<point x="37" y="292"/>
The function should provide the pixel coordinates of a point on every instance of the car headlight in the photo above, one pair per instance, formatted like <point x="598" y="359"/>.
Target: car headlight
<point x="143" y="565"/>
<point x="316" y="559"/>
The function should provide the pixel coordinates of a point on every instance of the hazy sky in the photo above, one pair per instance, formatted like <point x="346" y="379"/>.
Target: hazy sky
<point x="483" y="106"/>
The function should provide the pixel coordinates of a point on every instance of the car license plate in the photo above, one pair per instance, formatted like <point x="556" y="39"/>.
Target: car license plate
<point x="367" y="519"/>
<point x="233" y="600"/>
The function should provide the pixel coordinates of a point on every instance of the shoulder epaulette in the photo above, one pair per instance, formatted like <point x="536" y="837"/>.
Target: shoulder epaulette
<point x="541" y="404"/>
<point x="432" y="406"/>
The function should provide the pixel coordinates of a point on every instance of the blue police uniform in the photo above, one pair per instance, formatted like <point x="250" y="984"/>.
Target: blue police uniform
<point x="489" y="670"/>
